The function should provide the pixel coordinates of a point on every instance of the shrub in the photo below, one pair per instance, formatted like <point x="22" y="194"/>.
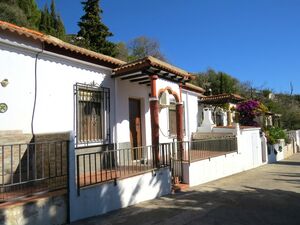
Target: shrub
<point x="275" y="133"/>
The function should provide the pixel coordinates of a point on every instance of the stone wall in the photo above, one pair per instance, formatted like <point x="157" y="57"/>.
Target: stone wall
<point x="50" y="209"/>
<point x="13" y="147"/>
<point x="22" y="160"/>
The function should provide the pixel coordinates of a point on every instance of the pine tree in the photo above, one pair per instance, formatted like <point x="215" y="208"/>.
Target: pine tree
<point x="93" y="32"/>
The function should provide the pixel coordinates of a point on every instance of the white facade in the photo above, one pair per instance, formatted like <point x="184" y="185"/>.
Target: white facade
<point x="248" y="156"/>
<point x="190" y="101"/>
<point x="40" y="94"/>
<point x="124" y="91"/>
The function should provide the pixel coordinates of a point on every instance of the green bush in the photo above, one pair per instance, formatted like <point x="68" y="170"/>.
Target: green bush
<point x="275" y="133"/>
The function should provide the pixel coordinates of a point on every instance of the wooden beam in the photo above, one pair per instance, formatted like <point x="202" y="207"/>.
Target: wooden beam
<point x="171" y="75"/>
<point x="145" y="82"/>
<point x="134" y="76"/>
<point x="125" y="73"/>
<point x="152" y="71"/>
<point x="165" y="74"/>
<point x="140" y="79"/>
<point x="170" y="79"/>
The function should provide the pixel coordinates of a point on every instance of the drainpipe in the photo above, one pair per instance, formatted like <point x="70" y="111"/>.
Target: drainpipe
<point x="35" y="90"/>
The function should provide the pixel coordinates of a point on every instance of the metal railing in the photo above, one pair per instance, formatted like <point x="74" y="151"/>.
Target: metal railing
<point x="106" y="165"/>
<point x="32" y="168"/>
<point x="207" y="148"/>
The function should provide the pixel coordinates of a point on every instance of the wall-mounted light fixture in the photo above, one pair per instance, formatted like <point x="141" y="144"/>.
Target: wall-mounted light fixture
<point x="4" y="82"/>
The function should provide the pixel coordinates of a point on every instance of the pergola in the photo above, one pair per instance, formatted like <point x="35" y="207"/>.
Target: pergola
<point x="146" y="71"/>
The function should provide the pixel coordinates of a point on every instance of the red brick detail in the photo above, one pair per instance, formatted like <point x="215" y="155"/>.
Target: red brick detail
<point x="179" y="121"/>
<point x="154" y="112"/>
<point x="180" y="92"/>
<point x="153" y="85"/>
<point x="169" y="89"/>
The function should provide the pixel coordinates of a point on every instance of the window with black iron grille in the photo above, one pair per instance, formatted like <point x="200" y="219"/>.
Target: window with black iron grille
<point x="92" y="114"/>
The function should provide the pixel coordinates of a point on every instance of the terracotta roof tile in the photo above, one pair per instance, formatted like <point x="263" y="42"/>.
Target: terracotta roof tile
<point x="194" y="88"/>
<point x="150" y="61"/>
<point x="221" y="98"/>
<point x="22" y="31"/>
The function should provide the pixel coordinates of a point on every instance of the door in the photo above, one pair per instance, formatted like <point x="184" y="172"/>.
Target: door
<point x="135" y="127"/>
<point x="255" y="150"/>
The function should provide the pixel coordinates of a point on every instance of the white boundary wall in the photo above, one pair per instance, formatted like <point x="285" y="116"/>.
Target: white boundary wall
<point x="103" y="198"/>
<point x="295" y="134"/>
<point x="281" y="151"/>
<point x="249" y="156"/>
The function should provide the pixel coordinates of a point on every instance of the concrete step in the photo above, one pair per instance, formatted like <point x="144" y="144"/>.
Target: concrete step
<point x="176" y="188"/>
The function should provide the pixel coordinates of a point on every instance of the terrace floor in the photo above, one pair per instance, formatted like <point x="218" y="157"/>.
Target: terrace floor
<point x="104" y="175"/>
<point x="197" y="155"/>
<point x="120" y="172"/>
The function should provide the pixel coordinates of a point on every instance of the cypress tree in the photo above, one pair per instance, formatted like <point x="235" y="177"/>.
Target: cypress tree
<point x="51" y="22"/>
<point x="53" y="14"/>
<point x="93" y="33"/>
<point x="45" y="25"/>
<point x="31" y="11"/>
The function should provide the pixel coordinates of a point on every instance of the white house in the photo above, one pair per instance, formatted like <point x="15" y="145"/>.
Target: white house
<point x="53" y="88"/>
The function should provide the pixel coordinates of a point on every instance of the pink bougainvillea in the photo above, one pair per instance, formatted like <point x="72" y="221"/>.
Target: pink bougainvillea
<point x="248" y="111"/>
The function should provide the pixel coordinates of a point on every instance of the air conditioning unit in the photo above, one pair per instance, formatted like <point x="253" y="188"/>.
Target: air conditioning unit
<point x="164" y="99"/>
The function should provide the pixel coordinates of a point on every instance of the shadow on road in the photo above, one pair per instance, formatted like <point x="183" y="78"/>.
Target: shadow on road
<point x="289" y="163"/>
<point x="227" y="207"/>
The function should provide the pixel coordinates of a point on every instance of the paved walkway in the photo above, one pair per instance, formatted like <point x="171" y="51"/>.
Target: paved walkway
<point x="267" y="195"/>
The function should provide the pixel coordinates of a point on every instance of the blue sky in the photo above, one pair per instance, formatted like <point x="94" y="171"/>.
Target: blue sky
<point x="253" y="40"/>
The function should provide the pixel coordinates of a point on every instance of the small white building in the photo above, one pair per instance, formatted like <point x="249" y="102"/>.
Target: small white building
<point x="51" y="88"/>
<point x="223" y="108"/>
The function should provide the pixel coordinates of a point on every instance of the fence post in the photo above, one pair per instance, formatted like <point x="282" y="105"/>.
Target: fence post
<point x="189" y="152"/>
<point x="68" y="178"/>
<point x="169" y="154"/>
<point x="71" y="164"/>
